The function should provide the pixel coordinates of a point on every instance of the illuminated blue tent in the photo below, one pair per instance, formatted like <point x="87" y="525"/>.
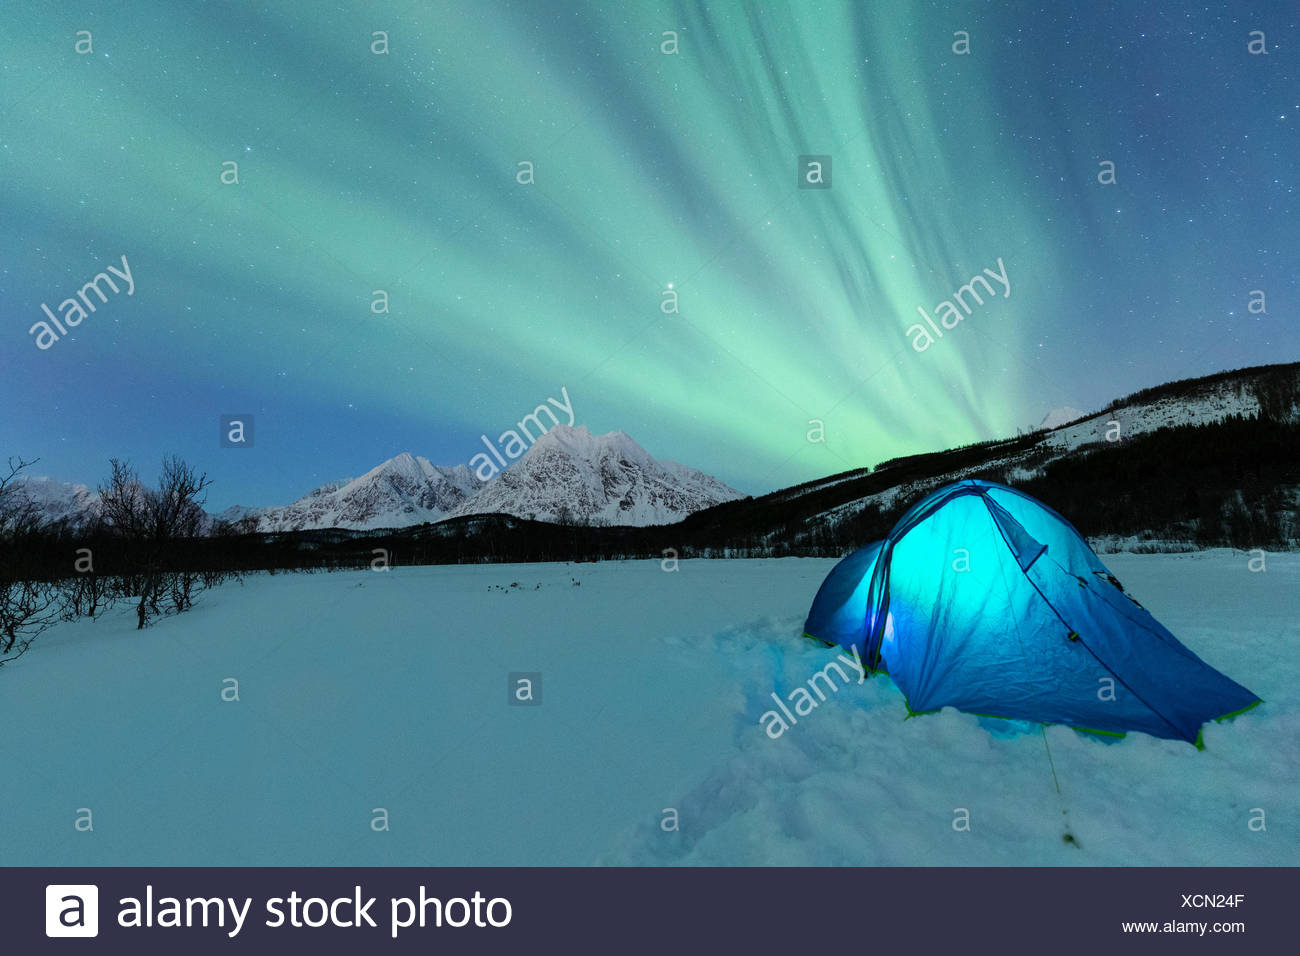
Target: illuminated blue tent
<point x="984" y="599"/>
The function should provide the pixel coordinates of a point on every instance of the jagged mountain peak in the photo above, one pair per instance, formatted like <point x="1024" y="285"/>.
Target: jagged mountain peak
<point x="401" y="491"/>
<point x="580" y="440"/>
<point x="571" y="474"/>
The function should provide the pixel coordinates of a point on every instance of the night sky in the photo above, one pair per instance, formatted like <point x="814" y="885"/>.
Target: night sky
<point x="361" y="171"/>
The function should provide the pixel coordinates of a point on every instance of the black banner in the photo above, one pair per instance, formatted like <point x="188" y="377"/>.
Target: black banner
<point x="266" y="910"/>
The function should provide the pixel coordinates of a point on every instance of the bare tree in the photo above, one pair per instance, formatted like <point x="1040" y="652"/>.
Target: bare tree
<point x="178" y="518"/>
<point x="18" y="513"/>
<point x="147" y="535"/>
<point x="124" y="506"/>
<point x="179" y="500"/>
<point x="154" y="524"/>
<point x="27" y="605"/>
<point x="123" y="501"/>
<point x="88" y="590"/>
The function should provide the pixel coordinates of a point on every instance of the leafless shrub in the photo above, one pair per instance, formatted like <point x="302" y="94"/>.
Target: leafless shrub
<point x="27" y="606"/>
<point x="155" y="525"/>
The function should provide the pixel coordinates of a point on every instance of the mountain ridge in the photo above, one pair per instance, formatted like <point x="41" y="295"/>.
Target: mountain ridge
<point x="575" y="477"/>
<point x="568" y="475"/>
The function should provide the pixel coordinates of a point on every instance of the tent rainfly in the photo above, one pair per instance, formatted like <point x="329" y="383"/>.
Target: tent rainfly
<point x="986" y="600"/>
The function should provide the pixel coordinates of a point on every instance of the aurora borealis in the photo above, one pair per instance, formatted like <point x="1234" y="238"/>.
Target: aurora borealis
<point x="652" y="171"/>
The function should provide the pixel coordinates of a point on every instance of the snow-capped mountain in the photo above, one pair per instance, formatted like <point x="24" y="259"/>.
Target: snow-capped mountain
<point x="569" y="474"/>
<point x="59" y="501"/>
<point x="402" y="491"/>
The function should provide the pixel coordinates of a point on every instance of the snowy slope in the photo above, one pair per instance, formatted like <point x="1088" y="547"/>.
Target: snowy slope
<point x="1212" y="404"/>
<point x="604" y="479"/>
<point x="1199" y="402"/>
<point x="402" y="491"/>
<point x="653" y="687"/>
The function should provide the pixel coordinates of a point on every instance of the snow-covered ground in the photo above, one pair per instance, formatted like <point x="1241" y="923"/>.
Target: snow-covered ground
<point x="367" y="690"/>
